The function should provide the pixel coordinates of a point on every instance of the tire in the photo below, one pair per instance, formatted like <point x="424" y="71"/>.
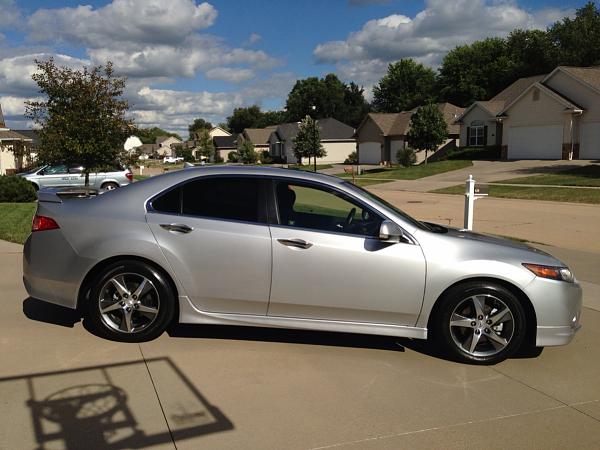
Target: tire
<point x="35" y="187"/>
<point x="480" y="323"/>
<point x="134" y="289"/>
<point x="110" y="186"/>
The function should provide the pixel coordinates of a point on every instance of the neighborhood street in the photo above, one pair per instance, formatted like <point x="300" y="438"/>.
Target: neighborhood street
<point x="234" y="387"/>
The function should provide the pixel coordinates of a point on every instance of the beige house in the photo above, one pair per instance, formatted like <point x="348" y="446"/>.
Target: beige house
<point x="9" y="163"/>
<point x="218" y="131"/>
<point x="337" y="139"/>
<point x="381" y="135"/>
<point x="165" y="145"/>
<point x="554" y="116"/>
<point x="259" y="137"/>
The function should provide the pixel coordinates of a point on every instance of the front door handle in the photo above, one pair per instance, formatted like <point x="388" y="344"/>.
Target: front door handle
<point x="296" y="243"/>
<point x="179" y="227"/>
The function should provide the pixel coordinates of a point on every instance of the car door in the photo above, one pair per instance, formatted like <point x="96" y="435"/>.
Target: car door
<point x="329" y="264"/>
<point x="214" y="233"/>
<point x="54" y="176"/>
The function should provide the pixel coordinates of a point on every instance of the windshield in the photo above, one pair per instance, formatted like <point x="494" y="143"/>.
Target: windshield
<point x="389" y="206"/>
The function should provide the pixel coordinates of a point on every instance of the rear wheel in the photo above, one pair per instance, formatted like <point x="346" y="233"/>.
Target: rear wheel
<point x="130" y="301"/>
<point x="110" y="186"/>
<point x="480" y="323"/>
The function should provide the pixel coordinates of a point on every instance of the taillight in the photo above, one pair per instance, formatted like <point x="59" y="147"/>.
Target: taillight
<point x="43" y="223"/>
<point x="129" y="176"/>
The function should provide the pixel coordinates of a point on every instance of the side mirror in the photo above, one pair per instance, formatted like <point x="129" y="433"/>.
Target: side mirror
<point x="390" y="232"/>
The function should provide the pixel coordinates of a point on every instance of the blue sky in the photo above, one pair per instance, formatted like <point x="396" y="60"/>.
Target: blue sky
<point x="187" y="59"/>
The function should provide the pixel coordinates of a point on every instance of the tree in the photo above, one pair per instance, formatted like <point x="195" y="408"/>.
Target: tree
<point x="246" y="152"/>
<point x="326" y="97"/>
<point x="82" y="118"/>
<point x="307" y="143"/>
<point x="197" y="125"/>
<point x="149" y="135"/>
<point x="204" y="144"/>
<point x="184" y="152"/>
<point x="532" y="53"/>
<point x="578" y="39"/>
<point x="242" y="118"/>
<point x="405" y="85"/>
<point x="428" y="129"/>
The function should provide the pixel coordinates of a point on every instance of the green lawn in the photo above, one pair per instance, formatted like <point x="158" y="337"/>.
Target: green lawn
<point x="15" y="221"/>
<point x="413" y="172"/>
<point x="140" y="177"/>
<point x="534" y="193"/>
<point x="578" y="176"/>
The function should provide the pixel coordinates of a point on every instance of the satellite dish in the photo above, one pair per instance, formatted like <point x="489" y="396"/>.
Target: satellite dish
<point x="131" y="143"/>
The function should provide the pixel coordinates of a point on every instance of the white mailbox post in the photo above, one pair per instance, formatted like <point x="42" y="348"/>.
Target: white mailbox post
<point x="472" y="193"/>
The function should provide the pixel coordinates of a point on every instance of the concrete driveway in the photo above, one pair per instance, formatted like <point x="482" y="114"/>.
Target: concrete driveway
<point x="483" y="172"/>
<point x="228" y="388"/>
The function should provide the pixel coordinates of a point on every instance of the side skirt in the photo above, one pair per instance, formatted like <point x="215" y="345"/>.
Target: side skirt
<point x="189" y="314"/>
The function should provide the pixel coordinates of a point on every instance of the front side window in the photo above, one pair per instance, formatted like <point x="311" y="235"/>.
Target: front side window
<point x="304" y="206"/>
<point x="227" y="198"/>
<point x="55" y="170"/>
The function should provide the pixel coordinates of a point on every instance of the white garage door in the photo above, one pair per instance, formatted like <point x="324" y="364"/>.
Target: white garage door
<point x="369" y="152"/>
<point x="541" y="142"/>
<point x="590" y="141"/>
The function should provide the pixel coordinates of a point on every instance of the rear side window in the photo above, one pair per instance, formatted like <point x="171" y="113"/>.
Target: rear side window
<point x="216" y="197"/>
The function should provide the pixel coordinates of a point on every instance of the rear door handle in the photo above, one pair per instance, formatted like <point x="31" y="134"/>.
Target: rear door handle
<point x="178" y="227"/>
<point x="296" y="243"/>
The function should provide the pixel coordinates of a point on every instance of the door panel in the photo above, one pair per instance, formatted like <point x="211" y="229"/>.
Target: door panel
<point x="348" y="278"/>
<point x="590" y="141"/>
<point x="224" y="266"/>
<point x="535" y="142"/>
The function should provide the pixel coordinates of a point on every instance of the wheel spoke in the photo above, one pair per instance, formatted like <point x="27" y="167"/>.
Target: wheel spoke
<point x="119" y="284"/>
<point x="497" y="318"/>
<point x="497" y="341"/>
<point x="142" y="288"/>
<point x="126" y="321"/>
<point x="147" y="309"/>
<point x="474" y="341"/>
<point x="479" y="305"/>
<point x="460" y="321"/>
<point x="112" y="307"/>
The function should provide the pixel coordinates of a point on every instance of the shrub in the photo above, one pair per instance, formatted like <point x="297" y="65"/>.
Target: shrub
<point x="352" y="159"/>
<point x="265" y="157"/>
<point x="218" y="158"/>
<point x="246" y="152"/>
<point x="15" y="189"/>
<point x="233" y="157"/>
<point x="406" y="157"/>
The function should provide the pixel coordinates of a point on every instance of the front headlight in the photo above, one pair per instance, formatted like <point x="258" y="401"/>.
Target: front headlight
<point x="551" y="272"/>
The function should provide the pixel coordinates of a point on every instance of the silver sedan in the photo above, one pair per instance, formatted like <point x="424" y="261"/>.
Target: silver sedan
<point x="283" y="248"/>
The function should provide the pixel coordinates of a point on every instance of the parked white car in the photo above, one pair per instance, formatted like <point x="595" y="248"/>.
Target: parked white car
<point x="172" y="159"/>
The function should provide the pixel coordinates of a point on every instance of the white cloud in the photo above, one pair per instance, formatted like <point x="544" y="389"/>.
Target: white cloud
<point x="9" y="14"/>
<point x="429" y="35"/>
<point x="133" y="21"/>
<point x="254" y="38"/>
<point x="231" y="74"/>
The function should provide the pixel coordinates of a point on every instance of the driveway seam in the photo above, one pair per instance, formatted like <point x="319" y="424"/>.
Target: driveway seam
<point x="571" y="406"/>
<point x="158" y="397"/>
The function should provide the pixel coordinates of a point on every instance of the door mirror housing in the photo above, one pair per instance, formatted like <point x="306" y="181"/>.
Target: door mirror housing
<point x="390" y="231"/>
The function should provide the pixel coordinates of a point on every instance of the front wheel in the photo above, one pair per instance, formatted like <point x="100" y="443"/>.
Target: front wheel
<point x="130" y="301"/>
<point x="110" y="186"/>
<point x="480" y="323"/>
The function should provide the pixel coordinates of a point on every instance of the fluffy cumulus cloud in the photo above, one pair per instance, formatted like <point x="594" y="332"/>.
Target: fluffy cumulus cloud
<point x="231" y="74"/>
<point x="429" y="35"/>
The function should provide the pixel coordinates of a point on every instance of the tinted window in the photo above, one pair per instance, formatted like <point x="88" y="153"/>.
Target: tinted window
<point x="318" y="209"/>
<point x="55" y="170"/>
<point x="223" y="198"/>
<point x="169" y="202"/>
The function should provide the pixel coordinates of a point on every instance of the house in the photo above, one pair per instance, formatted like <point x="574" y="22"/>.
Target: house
<point x="259" y="137"/>
<point x="381" y="135"/>
<point x="555" y="116"/>
<point x="225" y="145"/>
<point x="479" y="126"/>
<point x="218" y="131"/>
<point x="9" y="163"/>
<point x="166" y="145"/>
<point x="337" y="139"/>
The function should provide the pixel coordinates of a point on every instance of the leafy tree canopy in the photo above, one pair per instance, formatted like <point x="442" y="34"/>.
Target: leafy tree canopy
<point x="428" y="129"/>
<point x="149" y="135"/>
<point x="253" y="117"/>
<point x="82" y="116"/>
<point x="578" y="40"/>
<point x="406" y="84"/>
<point x="199" y="124"/>
<point x="307" y="143"/>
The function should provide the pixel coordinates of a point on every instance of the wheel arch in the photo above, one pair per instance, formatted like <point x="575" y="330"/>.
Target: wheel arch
<point x="85" y="286"/>
<point x="531" y="317"/>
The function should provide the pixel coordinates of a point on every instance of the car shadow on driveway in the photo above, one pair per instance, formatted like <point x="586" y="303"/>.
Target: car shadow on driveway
<point x="40" y="311"/>
<point x="111" y="406"/>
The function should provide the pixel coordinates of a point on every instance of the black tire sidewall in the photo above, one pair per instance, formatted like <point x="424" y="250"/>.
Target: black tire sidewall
<point x="165" y="313"/>
<point x="458" y="293"/>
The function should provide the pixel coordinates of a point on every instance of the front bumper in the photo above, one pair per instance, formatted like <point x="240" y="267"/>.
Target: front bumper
<point x="557" y="306"/>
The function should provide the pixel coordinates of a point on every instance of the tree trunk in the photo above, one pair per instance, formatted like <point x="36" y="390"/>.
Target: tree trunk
<point x="315" y="162"/>
<point x="425" y="156"/>
<point x="87" y="179"/>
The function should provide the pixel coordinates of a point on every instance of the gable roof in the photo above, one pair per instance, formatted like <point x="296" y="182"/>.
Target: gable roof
<point x="219" y="128"/>
<point x="451" y="113"/>
<point x="587" y="75"/>
<point x="148" y="149"/>
<point x="30" y="134"/>
<point x="259" y="136"/>
<point x="568" y="104"/>
<point x="225" y="142"/>
<point x="510" y="93"/>
<point x="9" y="135"/>
<point x="330" y="129"/>
<point x="161" y="139"/>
